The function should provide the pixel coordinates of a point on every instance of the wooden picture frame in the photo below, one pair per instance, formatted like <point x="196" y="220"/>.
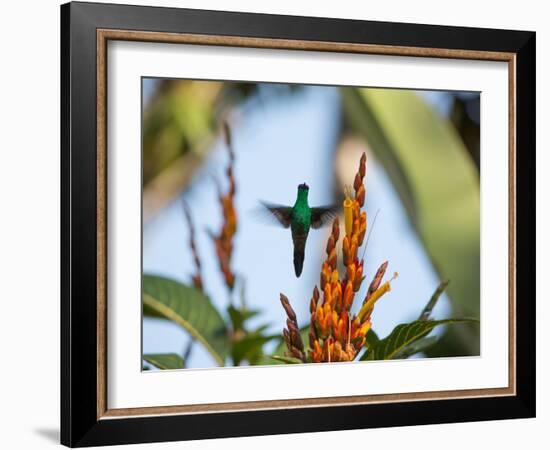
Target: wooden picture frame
<point x="85" y="416"/>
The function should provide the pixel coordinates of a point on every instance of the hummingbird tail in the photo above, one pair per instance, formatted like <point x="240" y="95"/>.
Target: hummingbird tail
<point x="298" y="262"/>
<point x="298" y="259"/>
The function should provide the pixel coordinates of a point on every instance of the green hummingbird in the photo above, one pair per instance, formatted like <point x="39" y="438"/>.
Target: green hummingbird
<point x="300" y="218"/>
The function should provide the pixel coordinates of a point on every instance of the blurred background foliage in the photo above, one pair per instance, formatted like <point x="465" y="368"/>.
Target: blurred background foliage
<point x="437" y="180"/>
<point x="427" y="143"/>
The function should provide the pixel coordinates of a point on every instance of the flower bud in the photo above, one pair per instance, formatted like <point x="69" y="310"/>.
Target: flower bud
<point x="360" y="195"/>
<point x="358" y="277"/>
<point x="363" y="165"/>
<point x="357" y="182"/>
<point x="335" y="229"/>
<point x="330" y="245"/>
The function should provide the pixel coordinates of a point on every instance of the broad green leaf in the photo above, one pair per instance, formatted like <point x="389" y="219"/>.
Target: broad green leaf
<point x="165" y="361"/>
<point x="189" y="308"/>
<point x="247" y="344"/>
<point x="239" y="316"/>
<point x="417" y="347"/>
<point x="436" y="180"/>
<point x="372" y="338"/>
<point x="249" y="348"/>
<point x="404" y="335"/>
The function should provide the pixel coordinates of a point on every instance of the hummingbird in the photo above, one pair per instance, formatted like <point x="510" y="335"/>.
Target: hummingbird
<point x="300" y="218"/>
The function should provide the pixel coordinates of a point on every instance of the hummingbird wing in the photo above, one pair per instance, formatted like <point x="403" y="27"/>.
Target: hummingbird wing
<point x="323" y="215"/>
<point x="281" y="214"/>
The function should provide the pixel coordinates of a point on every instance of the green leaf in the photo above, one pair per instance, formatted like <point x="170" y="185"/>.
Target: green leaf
<point x="436" y="179"/>
<point x="417" y="347"/>
<point x="240" y="316"/>
<point x="189" y="308"/>
<point x="165" y="361"/>
<point x="249" y="348"/>
<point x="286" y="359"/>
<point x="372" y="338"/>
<point x="404" y="335"/>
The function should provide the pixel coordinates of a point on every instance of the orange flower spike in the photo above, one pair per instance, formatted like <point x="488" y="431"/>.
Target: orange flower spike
<point x="336" y="290"/>
<point x="332" y="259"/>
<point x="328" y="321"/>
<point x="363" y="165"/>
<point x="316" y="294"/>
<point x="312" y="335"/>
<point x="314" y="300"/>
<point x="355" y="326"/>
<point x="327" y="295"/>
<point x="317" y="352"/>
<point x="358" y="279"/>
<point x="323" y="329"/>
<point x="334" y="277"/>
<point x="353" y="249"/>
<point x="325" y="272"/>
<point x="325" y="354"/>
<point x="348" y="210"/>
<point x="319" y="313"/>
<point x="346" y="250"/>
<point x="336" y="331"/>
<point x="337" y="299"/>
<point x="365" y="328"/>
<point x="357" y="182"/>
<point x="336" y="229"/>
<point x="342" y="330"/>
<point x="325" y="324"/>
<point x="356" y="225"/>
<point x="348" y="296"/>
<point x="223" y="240"/>
<point x="334" y="320"/>
<point x="330" y="244"/>
<point x="350" y="351"/>
<point x="291" y="333"/>
<point x="350" y="272"/>
<point x="312" y="305"/>
<point x="354" y="245"/>
<point x="327" y="350"/>
<point x="337" y="350"/>
<point x="360" y="195"/>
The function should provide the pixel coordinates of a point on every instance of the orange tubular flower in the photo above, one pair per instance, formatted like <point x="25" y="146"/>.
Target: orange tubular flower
<point x="224" y="240"/>
<point x="334" y="335"/>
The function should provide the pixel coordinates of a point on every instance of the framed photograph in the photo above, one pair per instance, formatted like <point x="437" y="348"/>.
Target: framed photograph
<point x="276" y="224"/>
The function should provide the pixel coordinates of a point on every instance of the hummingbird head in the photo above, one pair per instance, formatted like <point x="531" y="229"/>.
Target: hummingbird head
<point x="303" y="190"/>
